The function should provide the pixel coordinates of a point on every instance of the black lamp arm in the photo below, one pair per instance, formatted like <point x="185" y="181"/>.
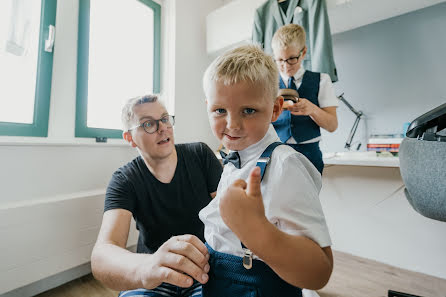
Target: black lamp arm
<point x="358" y="114"/>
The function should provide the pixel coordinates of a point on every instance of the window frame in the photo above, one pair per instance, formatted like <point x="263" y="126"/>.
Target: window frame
<point x="39" y="126"/>
<point x="81" y="128"/>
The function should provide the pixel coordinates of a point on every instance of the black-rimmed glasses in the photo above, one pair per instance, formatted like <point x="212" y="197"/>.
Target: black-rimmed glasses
<point x="152" y="125"/>
<point x="290" y="60"/>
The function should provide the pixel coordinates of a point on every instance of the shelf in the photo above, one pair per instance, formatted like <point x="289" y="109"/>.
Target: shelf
<point x="360" y="159"/>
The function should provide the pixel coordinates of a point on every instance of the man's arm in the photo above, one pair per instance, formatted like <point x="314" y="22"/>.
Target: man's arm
<point x="121" y="269"/>
<point x="296" y="259"/>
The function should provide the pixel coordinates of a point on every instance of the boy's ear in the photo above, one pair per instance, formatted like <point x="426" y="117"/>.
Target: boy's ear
<point x="127" y="135"/>
<point x="304" y="52"/>
<point x="277" y="109"/>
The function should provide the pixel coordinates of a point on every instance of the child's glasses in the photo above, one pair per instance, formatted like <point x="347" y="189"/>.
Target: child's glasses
<point x="290" y="60"/>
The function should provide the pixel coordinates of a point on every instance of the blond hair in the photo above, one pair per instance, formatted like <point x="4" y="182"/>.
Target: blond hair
<point x="245" y="63"/>
<point x="128" y="114"/>
<point x="288" y="35"/>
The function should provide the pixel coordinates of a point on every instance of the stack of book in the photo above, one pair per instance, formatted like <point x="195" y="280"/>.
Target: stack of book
<point x="385" y="143"/>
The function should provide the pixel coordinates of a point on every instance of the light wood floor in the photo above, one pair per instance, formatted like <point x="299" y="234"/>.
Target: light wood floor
<point x="352" y="277"/>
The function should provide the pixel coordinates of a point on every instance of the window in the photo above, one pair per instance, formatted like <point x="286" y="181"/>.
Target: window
<point x="26" y="66"/>
<point x="118" y="58"/>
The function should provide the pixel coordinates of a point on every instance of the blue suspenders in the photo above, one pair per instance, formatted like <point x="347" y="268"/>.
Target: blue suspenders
<point x="265" y="157"/>
<point x="262" y="162"/>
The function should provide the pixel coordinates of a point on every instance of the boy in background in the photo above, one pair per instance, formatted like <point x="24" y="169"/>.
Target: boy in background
<point x="278" y="222"/>
<point x="299" y="125"/>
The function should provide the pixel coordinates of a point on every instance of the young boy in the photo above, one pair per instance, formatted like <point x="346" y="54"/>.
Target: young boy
<point x="299" y="125"/>
<point x="279" y="219"/>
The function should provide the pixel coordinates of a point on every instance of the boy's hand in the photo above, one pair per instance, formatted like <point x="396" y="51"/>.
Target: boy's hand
<point x="303" y="107"/>
<point x="242" y="203"/>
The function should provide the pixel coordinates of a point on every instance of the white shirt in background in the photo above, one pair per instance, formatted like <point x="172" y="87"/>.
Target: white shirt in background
<point x="326" y="96"/>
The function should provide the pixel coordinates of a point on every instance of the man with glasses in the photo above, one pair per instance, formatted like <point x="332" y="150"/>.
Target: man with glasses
<point x="300" y="122"/>
<point x="163" y="189"/>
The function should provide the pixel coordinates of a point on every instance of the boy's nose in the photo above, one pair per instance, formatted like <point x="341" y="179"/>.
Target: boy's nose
<point x="233" y="122"/>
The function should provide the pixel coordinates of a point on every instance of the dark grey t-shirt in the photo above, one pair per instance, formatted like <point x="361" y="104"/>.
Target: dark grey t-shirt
<point x="165" y="210"/>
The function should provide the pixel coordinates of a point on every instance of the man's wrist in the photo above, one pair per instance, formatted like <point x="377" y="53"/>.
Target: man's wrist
<point x="141" y="269"/>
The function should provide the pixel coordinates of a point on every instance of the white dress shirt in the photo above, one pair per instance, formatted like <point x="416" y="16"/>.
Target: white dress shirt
<point x="326" y="96"/>
<point x="290" y="190"/>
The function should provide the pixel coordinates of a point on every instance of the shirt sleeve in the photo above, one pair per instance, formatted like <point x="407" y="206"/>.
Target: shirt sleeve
<point x="212" y="168"/>
<point x="327" y="95"/>
<point x="120" y="193"/>
<point x="295" y="207"/>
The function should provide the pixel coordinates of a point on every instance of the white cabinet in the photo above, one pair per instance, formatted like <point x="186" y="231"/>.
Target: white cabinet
<point x="232" y="23"/>
<point x="346" y="15"/>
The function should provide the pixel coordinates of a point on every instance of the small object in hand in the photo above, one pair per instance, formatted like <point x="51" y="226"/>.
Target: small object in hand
<point x="290" y="96"/>
<point x="287" y="104"/>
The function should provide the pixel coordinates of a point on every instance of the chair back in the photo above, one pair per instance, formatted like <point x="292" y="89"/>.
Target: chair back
<point x="422" y="157"/>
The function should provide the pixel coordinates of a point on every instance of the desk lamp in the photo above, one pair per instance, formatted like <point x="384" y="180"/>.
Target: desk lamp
<point x="358" y="114"/>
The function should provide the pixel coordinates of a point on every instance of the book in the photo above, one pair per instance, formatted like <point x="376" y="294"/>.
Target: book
<point x="391" y="140"/>
<point x="392" y="145"/>
<point x="383" y="149"/>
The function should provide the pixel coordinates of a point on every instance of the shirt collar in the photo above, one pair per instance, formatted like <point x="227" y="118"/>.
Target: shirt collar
<point x="255" y="150"/>
<point x="299" y="74"/>
<point x="297" y="77"/>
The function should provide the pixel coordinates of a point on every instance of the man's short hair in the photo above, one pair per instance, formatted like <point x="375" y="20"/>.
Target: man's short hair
<point x="288" y="35"/>
<point x="128" y="115"/>
<point x="245" y="63"/>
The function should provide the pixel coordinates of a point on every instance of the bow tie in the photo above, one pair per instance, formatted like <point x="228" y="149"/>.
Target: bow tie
<point x="233" y="157"/>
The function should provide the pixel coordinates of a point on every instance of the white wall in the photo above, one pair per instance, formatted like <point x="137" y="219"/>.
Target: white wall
<point x="52" y="189"/>
<point x="48" y="237"/>
<point x="191" y="61"/>
<point x="380" y="76"/>
<point x="369" y="216"/>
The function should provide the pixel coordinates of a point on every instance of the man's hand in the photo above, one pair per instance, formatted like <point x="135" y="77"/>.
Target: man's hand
<point x="242" y="203"/>
<point x="303" y="107"/>
<point x="176" y="262"/>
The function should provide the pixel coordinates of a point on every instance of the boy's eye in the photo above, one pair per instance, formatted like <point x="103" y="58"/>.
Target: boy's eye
<point x="249" y="111"/>
<point x="220" y="111"/>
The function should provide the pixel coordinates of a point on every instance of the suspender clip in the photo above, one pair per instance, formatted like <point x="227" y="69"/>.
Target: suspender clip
<point x="247" y="259"/>
<point x="264" y="160"/>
